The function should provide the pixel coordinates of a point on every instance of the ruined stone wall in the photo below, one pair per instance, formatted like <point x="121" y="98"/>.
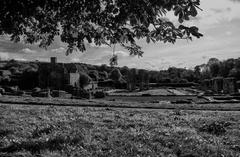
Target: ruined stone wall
<point x="206" y="84"/>
<point x="73" y="79"/>
<point x="132" y="79"/>
<point x="137" y="77"/>
<point x="217" y="84"/>
<point x="56" y="80"/>
<point x="229" y="86"/>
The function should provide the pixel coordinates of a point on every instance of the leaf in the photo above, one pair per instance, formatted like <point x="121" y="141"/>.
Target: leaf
<point x="148" y="39"/>
<point x="99" y="21"/>
<point x="69" y="51"/>
<point x="186" y="17"/>
<point x="193" y="11"/>
<point x="133" y="20"/>
<point x="181" y="27"/>
<point x="180" y="19"/>
<point x="194" y="28"/>
<point x="113" y="60"/>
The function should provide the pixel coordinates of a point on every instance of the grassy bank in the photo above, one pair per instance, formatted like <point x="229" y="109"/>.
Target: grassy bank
<point x="50" y="131"/>
<point x="119" y="102"/>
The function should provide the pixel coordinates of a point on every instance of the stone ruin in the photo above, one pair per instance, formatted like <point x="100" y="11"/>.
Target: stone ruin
<point x="221" y="85"/>
<point x="229" y="85"/>
<point x="238" y="86"/>
<point x="138" y="78"/>
<point x="60" y="77"/>
<point x="206" y="84"/>
<point x="217" y="84"/>
<point x="57" y="76"/>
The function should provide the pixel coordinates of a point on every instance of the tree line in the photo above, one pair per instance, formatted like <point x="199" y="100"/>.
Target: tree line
<point x="20" y="72"/>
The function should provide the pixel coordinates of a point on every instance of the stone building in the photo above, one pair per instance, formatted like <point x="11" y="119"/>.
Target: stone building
<point x="206" y="84"/>
<point x="72" y="79"/>
<point x="138" y="78"/>
<point x="238" y="86"/>
<point x="91" y="86"/>
<point x="217" y="84"/>
<point x="143" y="79"/>
<point x="58" y="75"/>
<point x="229" y="85"/>
<point x="132" y="79"/>
<point x="221" y="85"/>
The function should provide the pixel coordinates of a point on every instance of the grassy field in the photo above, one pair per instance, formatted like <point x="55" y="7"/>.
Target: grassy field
<point x="51" y="131"/>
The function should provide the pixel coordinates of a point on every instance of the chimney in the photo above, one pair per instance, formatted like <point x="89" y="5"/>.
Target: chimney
<point x="53" y="60"/>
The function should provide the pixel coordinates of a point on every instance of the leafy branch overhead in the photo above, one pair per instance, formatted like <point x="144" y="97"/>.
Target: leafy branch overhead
<point x="96" y="21"/>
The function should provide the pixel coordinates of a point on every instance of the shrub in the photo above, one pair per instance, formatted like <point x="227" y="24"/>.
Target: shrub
<point x="94" y="75"/>
<point x="120" y="84"/>
<point x="106" y="83"/>
<point x="84" y="80"/>
<point x="36" y="89"/>
<point x="215" y="128"/>
<point x="82" y="93"/>
<point x="183" y="81"/>
<point x="124" y="70"/>
<point x="104" y="67"/>
<point x="31" y="78"/>
<point x="103" y="75"/>
<point x="99" y="94"/>
<point x="2" y="91"/>
<point x="115" y="74"/>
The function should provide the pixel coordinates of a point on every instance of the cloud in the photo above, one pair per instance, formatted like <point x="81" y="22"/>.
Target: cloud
<point x="224" y="10"/>
<point x="20" y="59"/>
<point x="122" y="53"/>
<point x="219" y="22"/>
<point x="4" y="55"/>
<point x="216" y="10"/>
<point x="59" y="50"/>
<point x="28" y="51"/>
<point x="75" y="60"/>
<point x="93" y="45"/>
<point x="8" y="56"/>
<point x="229" y="33"/>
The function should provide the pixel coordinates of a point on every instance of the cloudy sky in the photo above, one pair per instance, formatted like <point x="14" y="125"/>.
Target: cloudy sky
<point x="219" y="22"/>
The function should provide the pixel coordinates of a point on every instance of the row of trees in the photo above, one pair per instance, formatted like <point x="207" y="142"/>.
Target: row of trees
<point x="119" y="76"/>
<point x="215" y="68"/>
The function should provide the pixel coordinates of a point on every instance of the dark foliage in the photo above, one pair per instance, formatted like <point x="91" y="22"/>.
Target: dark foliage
<point x="97" y="21"/>
<point x="28" y="80"/>
<point x="84" y="79"/>
<point x="99" y="94"/>
<point x="115" y="74"/>
<point x="216" y="128"/>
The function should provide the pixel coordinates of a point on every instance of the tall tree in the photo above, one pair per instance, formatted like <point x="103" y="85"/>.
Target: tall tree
<point x="214" y="66"/>
<point x="99" y="21"/>
<point x="115" y="74"/>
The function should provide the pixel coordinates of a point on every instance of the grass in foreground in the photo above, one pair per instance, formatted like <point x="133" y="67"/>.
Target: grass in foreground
<point x="49" y="131"/>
